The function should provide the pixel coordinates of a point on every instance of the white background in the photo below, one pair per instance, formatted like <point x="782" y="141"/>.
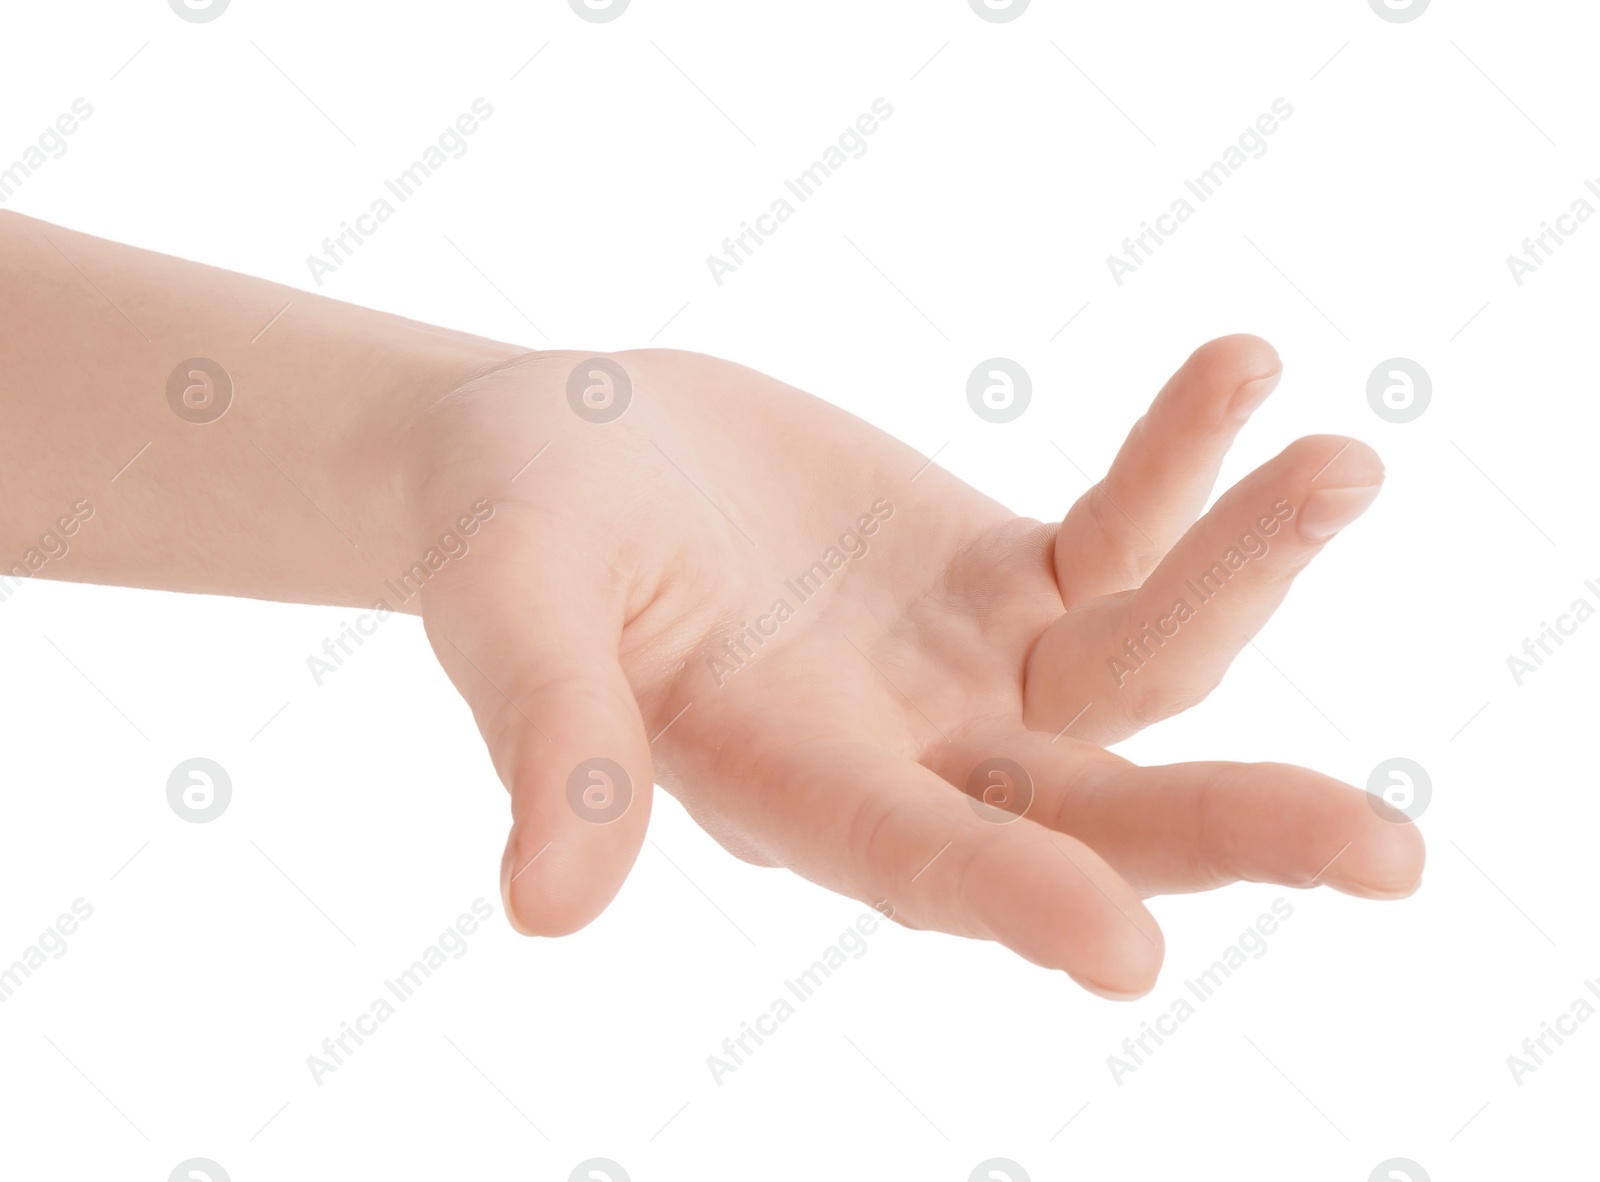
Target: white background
<point x="366" y="816"/>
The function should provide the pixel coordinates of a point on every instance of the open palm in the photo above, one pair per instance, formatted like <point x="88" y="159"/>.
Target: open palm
<point x="847" y="662"/>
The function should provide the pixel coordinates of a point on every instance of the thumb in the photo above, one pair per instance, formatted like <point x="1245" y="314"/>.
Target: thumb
<point x="533" y="647"/>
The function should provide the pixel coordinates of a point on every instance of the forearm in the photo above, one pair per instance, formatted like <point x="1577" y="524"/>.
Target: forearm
<point x="293" y="492"/>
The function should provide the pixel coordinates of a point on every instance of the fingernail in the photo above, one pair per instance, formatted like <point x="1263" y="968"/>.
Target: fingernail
<point x="1115" y="994"/>
<point x="507" y="900"/>
<point x="1329" y="510"/>
<point x="1383" y="896"/>
<point x="510" y="866"/>
<point x="1253" y="393"/>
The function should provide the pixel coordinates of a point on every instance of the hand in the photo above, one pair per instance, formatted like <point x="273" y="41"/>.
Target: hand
<point x="822" y="645"/>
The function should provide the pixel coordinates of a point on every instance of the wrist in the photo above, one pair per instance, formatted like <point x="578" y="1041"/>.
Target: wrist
<point x="397" y="444"/>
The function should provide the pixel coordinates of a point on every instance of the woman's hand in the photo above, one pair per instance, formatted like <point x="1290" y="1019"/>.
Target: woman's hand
<point x="845" y="661"/>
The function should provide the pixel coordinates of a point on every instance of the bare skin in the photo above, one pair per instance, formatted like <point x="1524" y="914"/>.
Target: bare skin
<point x="621" y="603"/>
